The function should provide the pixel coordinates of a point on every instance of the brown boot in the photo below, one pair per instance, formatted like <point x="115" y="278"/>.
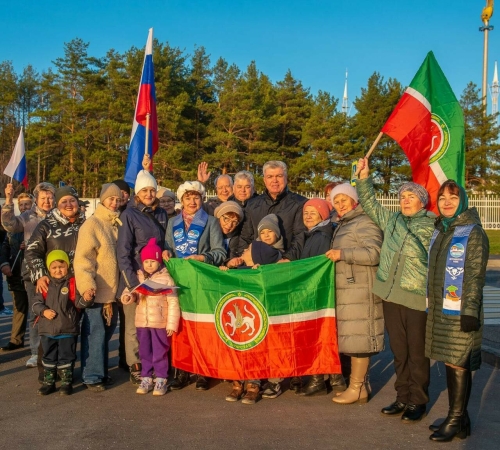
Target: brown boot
<point x="236" y="393"/>
<point x="356" y="392"/>
<point x="252" y="394"/>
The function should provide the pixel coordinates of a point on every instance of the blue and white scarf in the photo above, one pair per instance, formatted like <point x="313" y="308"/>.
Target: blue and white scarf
<point x="186" y="242"/>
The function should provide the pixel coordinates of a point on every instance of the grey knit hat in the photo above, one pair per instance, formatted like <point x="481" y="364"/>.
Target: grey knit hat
<point x="65" y="191"/>
<point x="270" y="222"/>
<point x="110" y="190"/>
<point x="416" y="189"/>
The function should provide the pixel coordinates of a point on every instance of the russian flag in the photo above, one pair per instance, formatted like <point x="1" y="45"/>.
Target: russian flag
<point x="17" y="167"/>
<point x="146" y="104"/>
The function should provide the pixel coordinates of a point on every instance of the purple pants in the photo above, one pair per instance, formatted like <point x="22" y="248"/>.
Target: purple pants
<point x="153" y="349"/>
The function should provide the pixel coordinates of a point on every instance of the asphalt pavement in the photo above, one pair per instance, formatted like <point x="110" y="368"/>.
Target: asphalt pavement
<point x="120" y="419"/>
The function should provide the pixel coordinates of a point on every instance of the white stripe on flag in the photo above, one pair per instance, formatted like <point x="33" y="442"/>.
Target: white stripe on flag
<point x="273" y="320"/>
<point x="17" y="156"/>
<point x="438" y="172"/>
<point x="418" y="96"/>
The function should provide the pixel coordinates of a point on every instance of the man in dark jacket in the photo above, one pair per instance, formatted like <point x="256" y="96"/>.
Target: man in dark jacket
<point x="276" y="199"/>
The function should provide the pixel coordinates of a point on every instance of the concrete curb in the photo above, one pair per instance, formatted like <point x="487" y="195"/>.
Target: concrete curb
<point x="490" y="356"/>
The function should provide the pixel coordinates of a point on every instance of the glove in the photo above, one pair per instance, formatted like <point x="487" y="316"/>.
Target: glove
<point x="469" y="323"/>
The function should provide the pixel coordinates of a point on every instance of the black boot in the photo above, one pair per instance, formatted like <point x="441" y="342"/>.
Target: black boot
<point x="49" y="382"/>
<point x="66" y="381"/>
<point x="337" y="382"/>
<point x="315" y="386"/>
<point x="295" y="384"/>
<point x="449" y="384"/>
<point x="201" y="383"/>
<point x="180" y="380"/>
<point x="457" y="424"/>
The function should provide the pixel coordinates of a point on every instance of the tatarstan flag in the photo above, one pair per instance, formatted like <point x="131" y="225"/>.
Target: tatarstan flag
<point x="428" y="124"/>
<point x="274" y="321"/>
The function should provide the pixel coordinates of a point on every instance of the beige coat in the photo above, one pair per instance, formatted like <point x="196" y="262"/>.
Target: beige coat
<point x="158" y="311"/>
<point x="95" y="263"/>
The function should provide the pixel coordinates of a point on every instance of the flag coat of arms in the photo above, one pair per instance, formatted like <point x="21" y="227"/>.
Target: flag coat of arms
<point x="428" y="124"/>
<point x="146" y="104"/>
<point x="275" y="321"/>
<point x="17" y="167"/>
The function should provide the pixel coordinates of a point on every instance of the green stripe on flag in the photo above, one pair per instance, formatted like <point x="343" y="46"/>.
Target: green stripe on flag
<point x="286" y="288"/>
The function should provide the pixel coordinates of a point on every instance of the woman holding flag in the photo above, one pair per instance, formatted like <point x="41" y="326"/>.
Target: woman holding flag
<point x="458" y="257"/>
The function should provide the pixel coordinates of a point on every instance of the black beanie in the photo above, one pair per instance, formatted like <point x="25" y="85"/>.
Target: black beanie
<point x="64" y="191"/>
<point x="263" y="253"/>
<point x="122" y="184"/>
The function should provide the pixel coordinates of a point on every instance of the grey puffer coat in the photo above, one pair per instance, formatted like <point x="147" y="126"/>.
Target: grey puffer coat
<point x="360" y="319"/>
<point x="443" y="339"/>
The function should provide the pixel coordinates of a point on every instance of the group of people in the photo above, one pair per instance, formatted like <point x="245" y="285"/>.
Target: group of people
<point x="420" y="275"/>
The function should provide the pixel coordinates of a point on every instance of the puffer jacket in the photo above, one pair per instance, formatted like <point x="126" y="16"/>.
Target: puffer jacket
<point x="138" y="227"/>
<point x="158" y="311"/>
<point x="12" y="255"/>
<point x="402" y="272"/>
<point x="288" y="207"/>
<point x="96" y="266"/>
<point x="53" y="233"/>
<point x="360" y="317"/>
<point x="317" y="240"/>
<point x="26" y="222"/>
<point x="443" y="339"/>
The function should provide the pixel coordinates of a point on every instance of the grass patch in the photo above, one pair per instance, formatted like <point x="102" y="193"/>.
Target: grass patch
<point x="494" y="237"/>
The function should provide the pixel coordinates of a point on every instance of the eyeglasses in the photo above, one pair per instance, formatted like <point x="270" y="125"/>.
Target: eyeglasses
<point x="228" y="221"/>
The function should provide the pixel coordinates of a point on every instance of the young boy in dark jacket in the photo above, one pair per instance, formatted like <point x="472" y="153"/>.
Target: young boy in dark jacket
<point x="59" y="324"/>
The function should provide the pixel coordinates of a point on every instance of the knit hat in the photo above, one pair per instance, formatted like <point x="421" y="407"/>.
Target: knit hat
<point x="110" y="190"/>
<point x="122" y="184"/>
<point x="270" y="222"/>
<point x="263" y="253"/>
<point x="57" y="255"/>
<point x="151" y="251"/>
<point x="416" y="189"/>
<point x="344" y="188"/>
<point x="190" y="186"/>
<point x="144" y="179"/>
<point x="320" y="205"/>
<point x="64" y="191"/>
<point x="169" y="193"/>
<point x="160" y="191"/>
<point x="226" y="207"/>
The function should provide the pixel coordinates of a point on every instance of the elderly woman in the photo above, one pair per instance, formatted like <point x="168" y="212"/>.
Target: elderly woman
<point x="96" y="273"/>
<point x="356" y="251"/>
<point x="25" y="223"/>
<point x="458" y="257"/>
<point x="204" y="236"/>
<point x="142" y="220"/>
<point x="167" y="201"/>
<point x="230" y="216"/>
<point x="59" y="231"/>
<point x="401" y="283"/>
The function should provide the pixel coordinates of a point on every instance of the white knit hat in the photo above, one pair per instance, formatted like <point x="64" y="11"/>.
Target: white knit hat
<point x="190" y="186"/>
<point x="144" y="179"/>
<point x="346" y="189"/>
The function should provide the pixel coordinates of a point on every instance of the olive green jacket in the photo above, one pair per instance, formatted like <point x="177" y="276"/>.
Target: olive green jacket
<point x="443" y="339"/>
<point x="402" y="273"/>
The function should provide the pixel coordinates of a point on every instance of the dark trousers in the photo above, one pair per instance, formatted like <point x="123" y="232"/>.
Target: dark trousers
<point x="60" y="353"/>
<point x="20" y="317"/>
<point x="406" y="328"/>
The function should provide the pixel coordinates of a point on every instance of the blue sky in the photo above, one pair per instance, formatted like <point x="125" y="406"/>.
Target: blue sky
<point x="316" y="39"/>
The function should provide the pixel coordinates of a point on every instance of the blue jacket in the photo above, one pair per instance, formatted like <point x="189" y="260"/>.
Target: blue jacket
<point x="138" y="226"/>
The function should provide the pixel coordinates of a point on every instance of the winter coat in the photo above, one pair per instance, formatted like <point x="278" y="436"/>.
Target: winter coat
<point x="443" y="339"/>
<point x="96" y="266"/>
<point x="138" y="226"/>
<point x="53" y="233"/>
<point x="288" y="207"/>
<point x="402" y="272"/>
<point x="26" y="222"/>
<point x="8" y="255"/>
<point x="210" y="205"/>
<point x="61" y="297"/>
<point x="317" y="240"/>
<point x="210" y="244"/>
<point x="360" y="318"/>
<point x="158" y="311"/>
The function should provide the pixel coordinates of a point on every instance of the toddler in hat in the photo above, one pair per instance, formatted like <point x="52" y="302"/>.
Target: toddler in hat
<point x="156" y="318"/>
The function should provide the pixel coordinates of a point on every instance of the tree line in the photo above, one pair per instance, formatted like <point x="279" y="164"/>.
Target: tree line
<point x="77" y="118"/>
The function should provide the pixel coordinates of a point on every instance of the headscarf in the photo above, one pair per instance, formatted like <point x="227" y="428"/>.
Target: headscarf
<point x="462" y="206"/>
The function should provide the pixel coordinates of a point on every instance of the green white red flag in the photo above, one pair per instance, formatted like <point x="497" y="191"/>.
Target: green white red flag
<point x="275" y="321"/>
<point x="428" y="124"/>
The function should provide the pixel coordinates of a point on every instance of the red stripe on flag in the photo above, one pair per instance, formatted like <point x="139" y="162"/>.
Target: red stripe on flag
<point x="292" y="349"/>
<point x="144" y="104"/>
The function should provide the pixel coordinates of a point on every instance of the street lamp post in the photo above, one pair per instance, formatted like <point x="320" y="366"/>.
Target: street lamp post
<point x="485" y="17"/>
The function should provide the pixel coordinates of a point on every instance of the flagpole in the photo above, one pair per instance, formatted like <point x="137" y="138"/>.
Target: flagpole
<point x="375" y="143"/>
<point x="146" y="152"/>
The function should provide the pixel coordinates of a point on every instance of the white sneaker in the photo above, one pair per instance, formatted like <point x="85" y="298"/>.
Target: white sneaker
<point x="145" y="386"/>
<point x="32" y="362"/>
<point x="160" y="386"/>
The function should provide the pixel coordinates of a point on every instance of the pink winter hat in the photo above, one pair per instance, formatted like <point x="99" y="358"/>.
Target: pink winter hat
<point x="151" y="251"/>
<point x="320" y="205"/>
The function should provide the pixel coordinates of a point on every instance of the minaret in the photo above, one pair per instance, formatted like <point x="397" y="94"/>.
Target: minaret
<point x="495" y="88"/>
<point x="345" y="101"/>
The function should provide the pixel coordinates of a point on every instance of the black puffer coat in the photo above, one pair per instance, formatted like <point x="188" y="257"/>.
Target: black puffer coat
<point x="12" y="255"/>
<point x="443" y="339"/>
<point x="317" y="241"/>
<point x="288" y="207"/>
